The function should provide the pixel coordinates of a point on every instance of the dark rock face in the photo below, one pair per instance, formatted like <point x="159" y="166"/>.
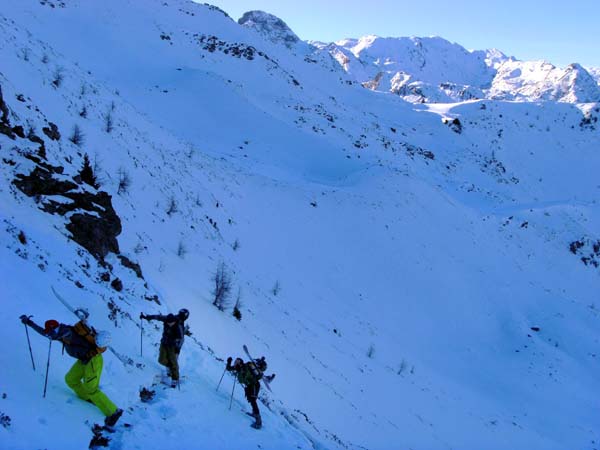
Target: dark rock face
<point x="3" y="109"/>
<point x="117" y="285"/>
<point x="131" y="265"/>
<point x="41" y="182"/>
<point x="5" y="128"/>
<point x="94" y="223"/>
<point x="52" y="131"/>
<point x="98" y="232"/>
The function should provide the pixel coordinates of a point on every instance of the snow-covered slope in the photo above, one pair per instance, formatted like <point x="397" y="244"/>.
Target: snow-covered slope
<point x="595" y="72"/>
<point x="418" y="276"/>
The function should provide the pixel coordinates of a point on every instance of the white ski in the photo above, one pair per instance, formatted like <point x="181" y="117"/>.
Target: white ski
<point x="126" y="361"/>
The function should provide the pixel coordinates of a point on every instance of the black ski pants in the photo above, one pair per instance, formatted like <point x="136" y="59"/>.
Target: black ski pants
<point x="251" y="392"/>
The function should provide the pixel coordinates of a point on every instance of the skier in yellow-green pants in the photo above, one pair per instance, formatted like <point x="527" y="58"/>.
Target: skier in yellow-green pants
<point x="84" y="379"/>
<point x="83" y="343"/>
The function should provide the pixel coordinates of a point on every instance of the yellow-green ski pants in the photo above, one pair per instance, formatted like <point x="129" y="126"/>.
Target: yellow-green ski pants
<point x="84" y="379"/>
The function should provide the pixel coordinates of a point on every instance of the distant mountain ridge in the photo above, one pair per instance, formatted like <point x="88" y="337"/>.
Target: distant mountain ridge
<point x="435" y="70"/>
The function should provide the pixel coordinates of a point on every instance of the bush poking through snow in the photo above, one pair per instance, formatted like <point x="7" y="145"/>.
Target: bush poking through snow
<point x="172" y="208"/>
<point x="87" y="173"/>
<point x="189" y="154"/>
<point x="124" y="181"/>
<point x="276" y="288"/>
<point x="238" y="304"/>
<point x="371" y="352"/>
<point x="147" y="395"/>
<point x="222" y="287"/>
<point x="108" y="121"/>
<point x="77" y="137"/>
<point x="402" y="367"/>
<point x="4" y="420"/>
<point x="181" y="250"/>
<point x="22" y="238"/>
<point x="58" y="77"/>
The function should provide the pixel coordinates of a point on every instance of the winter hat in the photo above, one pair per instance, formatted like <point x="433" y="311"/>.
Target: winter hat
<point x="50" y="325"/>
<point x="184" y="313"/>
<point x="171" y="318"/>
<point x="103" y="339"/>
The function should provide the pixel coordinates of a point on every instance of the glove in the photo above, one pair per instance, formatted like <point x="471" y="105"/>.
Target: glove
<point x="143" y="316"/>
<point x="229" y="360"/>
<point x="24" y="319"/>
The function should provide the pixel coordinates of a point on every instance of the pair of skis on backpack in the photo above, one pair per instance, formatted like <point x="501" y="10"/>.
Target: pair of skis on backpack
<point x="266" y="380"/>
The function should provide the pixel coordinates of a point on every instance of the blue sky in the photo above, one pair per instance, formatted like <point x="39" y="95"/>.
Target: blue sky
<point x="560" y="32"/>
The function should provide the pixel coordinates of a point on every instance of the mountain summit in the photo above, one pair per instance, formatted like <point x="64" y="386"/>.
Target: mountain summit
<point x="270" y="27"/>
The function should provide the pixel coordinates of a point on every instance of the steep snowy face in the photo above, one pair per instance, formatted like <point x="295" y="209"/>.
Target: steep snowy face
<point x="494" y="57"/>
<point x="432" y="60"/>
<point x="542" y="81"/>
<point x="269" y="26"/>
<point x="595" y="73"/>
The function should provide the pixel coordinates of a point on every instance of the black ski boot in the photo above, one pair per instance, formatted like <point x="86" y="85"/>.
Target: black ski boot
<point x="258" y="424"/>
<point x="111" y="420"/>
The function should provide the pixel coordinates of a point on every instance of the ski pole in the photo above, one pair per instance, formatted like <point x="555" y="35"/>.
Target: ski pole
<point x="219" y="385"/>
<point x="29" y="344"/>
<point x="232" y="391"/>
<point x="47" y="368"/>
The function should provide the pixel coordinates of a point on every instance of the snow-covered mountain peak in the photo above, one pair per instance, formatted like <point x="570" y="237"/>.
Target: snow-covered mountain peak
<point x="494" y="57"/>
<point x="543" y="81"/>
<point x="434" y="70"/>
<point x="269" y="26"/>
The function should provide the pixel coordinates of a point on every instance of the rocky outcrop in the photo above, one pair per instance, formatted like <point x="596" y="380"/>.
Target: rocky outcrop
<point x="92" y="220"/>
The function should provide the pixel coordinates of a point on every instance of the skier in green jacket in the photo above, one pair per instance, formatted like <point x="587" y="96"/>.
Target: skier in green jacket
<point x="83" y="343"/>
<point x="249" y="375"/>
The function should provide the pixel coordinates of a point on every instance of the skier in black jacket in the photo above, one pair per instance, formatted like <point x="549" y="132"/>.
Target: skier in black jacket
<point x="171" y="342"/>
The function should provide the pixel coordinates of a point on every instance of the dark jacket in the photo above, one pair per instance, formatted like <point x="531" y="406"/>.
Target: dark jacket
<point x="172" y="336"/>
<point x="247" y="374"/>
<point x="76" y="345"/>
